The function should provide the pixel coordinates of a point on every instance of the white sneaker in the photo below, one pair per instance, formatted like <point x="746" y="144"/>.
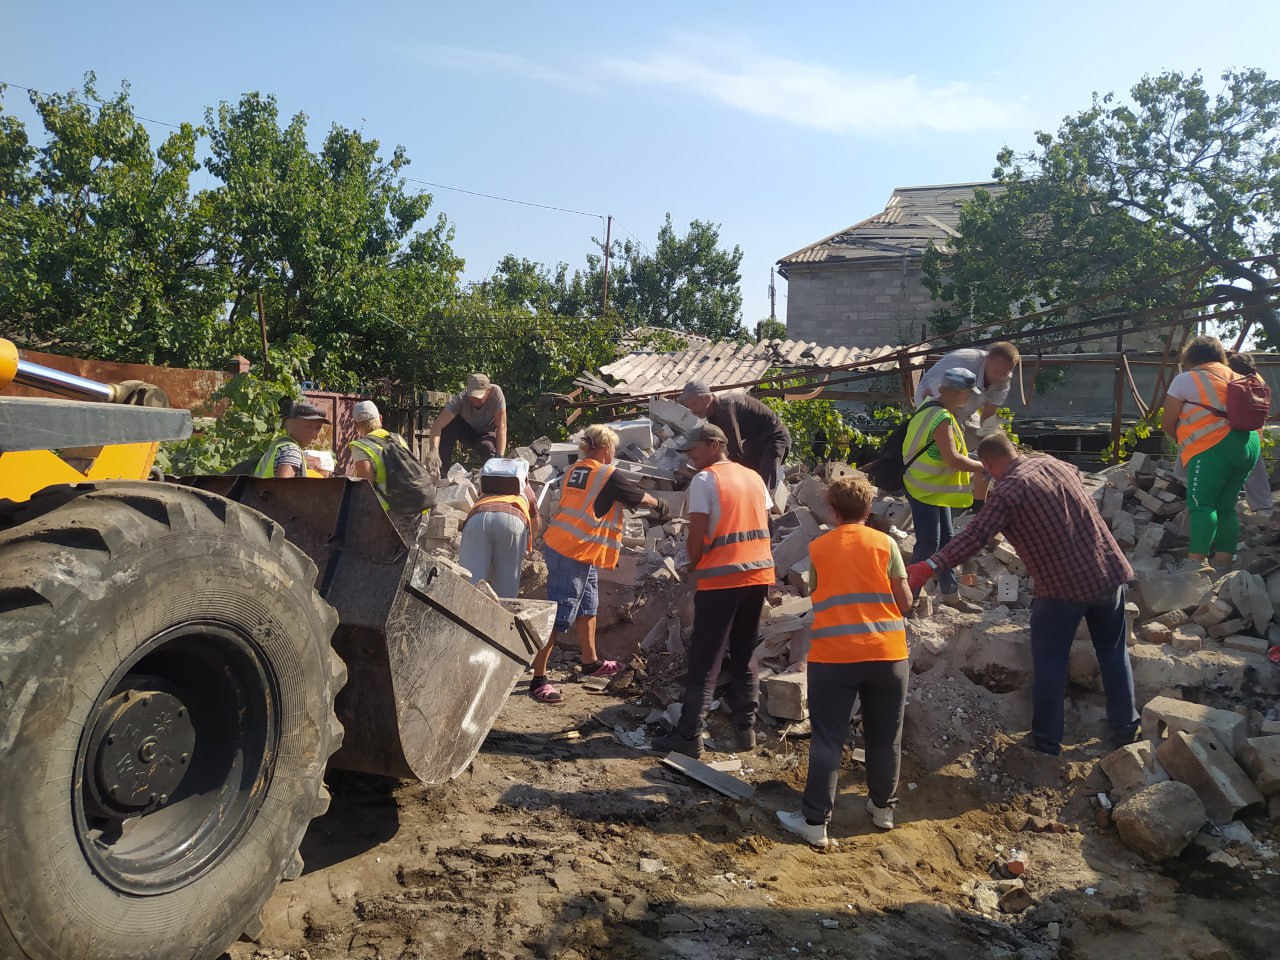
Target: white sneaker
<point x="815" y="834"/>
<point x="882" y="817"/>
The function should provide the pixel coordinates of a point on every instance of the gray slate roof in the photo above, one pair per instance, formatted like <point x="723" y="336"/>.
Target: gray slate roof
<point x="723" y="363"/>
<point x="913" y="218"/>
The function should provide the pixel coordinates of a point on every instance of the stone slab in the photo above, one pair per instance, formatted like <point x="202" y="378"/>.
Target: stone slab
<point x="1165" y="715"/>
<point x="1201" y="762"/>
<point x="1171" y="591"/>
<point x="1260" y="758"/>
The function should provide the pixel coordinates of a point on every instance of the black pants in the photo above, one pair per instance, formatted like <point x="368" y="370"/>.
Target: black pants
<point x="833" y="687"/>
<point x="458" y="431"/>
<point x="766" y="457"/>
<point x="724" y="622"/>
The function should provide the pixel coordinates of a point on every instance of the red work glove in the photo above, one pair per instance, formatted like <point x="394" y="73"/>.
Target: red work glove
<point x="918" y="574"/>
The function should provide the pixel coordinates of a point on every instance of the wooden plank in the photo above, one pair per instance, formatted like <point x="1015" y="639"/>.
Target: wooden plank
<point x="710" y="777"/>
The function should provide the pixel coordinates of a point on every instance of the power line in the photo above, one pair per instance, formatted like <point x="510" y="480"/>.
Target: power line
<point x="426" y="183"/>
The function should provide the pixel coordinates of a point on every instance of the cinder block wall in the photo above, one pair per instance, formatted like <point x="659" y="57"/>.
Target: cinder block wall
<point x="865" y="306"/>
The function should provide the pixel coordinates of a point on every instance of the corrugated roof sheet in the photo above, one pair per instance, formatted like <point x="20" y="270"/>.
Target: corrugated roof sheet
<point x="645" y="372"/>
<point x="913" y="218"/>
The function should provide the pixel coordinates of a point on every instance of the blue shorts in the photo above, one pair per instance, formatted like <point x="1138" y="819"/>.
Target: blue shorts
<point x="573" y="586"/>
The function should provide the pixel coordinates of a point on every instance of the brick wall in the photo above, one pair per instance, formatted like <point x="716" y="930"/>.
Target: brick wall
<point x="865" y="306"/>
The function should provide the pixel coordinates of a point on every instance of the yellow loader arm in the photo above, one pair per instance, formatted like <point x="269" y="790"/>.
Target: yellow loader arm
<point x="107" y="432"/>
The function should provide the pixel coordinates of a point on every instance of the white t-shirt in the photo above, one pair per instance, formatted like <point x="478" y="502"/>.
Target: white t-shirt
<point x="971" y="359"/>
<point x="704" y="498"/>
<point x="1183" y="387"/>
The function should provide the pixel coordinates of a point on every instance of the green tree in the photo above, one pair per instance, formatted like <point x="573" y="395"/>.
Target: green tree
<point x="1125" y="194"/>
<point x="102" y="249"/>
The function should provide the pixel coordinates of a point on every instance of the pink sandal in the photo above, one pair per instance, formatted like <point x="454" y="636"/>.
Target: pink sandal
<point x="605" y="668"/>
<point x="545" y="692"/>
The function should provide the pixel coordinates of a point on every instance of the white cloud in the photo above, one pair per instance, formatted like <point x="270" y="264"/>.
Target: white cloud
<point x="491" y="61"/>
<point x="815" y="95"/>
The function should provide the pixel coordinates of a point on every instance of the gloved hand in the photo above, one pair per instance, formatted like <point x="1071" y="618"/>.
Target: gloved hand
<point x="431" y="460"/>
<point x="918" y="574"/>
<point x="660" y="511"/>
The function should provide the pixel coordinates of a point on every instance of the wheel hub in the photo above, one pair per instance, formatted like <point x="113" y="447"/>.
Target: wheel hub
<point x="141" y="748"/>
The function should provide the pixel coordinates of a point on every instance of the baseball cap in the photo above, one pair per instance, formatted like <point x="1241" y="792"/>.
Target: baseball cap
<point x="301" y="410"/>
<point x="694" y="388"/>
<point x="703" y="431"/>
<point x="477" y="385"/>
<point x="960" y="378"/>
<point x="365" y="410"/>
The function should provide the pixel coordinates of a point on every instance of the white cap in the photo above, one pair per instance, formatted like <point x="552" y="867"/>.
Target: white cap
<point x="365" y="410"/>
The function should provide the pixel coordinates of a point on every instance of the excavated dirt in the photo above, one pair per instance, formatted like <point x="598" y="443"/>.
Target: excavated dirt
<point x="546" y="847"/>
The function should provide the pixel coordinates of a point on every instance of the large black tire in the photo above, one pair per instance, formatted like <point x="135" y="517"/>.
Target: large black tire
<point x="166" y="714"/>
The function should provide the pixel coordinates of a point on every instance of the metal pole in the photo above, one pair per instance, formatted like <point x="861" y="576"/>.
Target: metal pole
<point x="262" y="324"/>
<point x="773" y="297"/>
<point x="608" y="246"/>
<point x="1118" y="412"/>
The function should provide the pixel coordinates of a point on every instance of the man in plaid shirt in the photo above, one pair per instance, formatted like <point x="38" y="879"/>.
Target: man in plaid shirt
<point x="1078" y="571"/>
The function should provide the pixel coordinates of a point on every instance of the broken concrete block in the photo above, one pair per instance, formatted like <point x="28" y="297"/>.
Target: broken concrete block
<point x="812" y="492"/>
<point x="562" y="454"/>
<point x="1164" y="715"/>
<point x="1172" y="591"/>
<point x="1160" y="820"/>
<point x="1212" y="612"/>
<point x="781" y="499"/>
<point x="1173" y="619"/>
<point x="1005" y="553"/>
<point x="1149" y="540"/>
<point x="461" y="496"/>
<point x="670" y="412"/>
<point x="1124" y="530"/>
<point x="980" y="592"/>
<point x="1188" y="638"/>
<point x="676" y="500"/>
<point x="1248" y="592"/>
<point x="1112" y="503"/>
<point x="1226" y="628"/>
<point x="1131" y="768"/>
<point x="789" y="551"/>
<point x="801" y="518"/>
<point x="1242" y="641"/>
<point x="788" y="696"/>
<point x="832" y="471"/>
<point x="800" y="576"/>
<point x="1153" y="631"/>
<point x="1260" y="758"/>
<point x="1199" y="760"/>
<point x="441" y="526"/>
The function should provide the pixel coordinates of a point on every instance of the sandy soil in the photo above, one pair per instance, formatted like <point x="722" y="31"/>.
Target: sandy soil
<point x="537" y="850"/>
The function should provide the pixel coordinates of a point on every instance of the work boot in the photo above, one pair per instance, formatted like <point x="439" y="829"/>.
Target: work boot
<point x="675" y="743"/>
<point x="882" y="817"/>
<point x="814" y="833"/>
<point x="745" y="739"/>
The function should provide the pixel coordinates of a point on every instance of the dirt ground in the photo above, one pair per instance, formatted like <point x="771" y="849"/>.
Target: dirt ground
<point x="537" y="851"/>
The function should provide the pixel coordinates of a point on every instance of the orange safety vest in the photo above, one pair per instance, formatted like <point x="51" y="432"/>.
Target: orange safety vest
<point x="737" y="553"/>
<point x="575" y="531"/>
<point x="519" y="501"/>
<point x="855" y="618"/>
<point x="1198" y="428"/>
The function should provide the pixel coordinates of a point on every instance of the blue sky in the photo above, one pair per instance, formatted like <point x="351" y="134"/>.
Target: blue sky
<point x="783" y="123"/>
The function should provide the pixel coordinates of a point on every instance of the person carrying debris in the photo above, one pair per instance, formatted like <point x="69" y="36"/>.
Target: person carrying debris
<point x="476" y="418"/>
<point x="757" y="436"/>
<point x="285" y="456"/>
<point x="501" y="527"/>
<point x="938" y="471"/>
<point x="1079" y="572"/>
<point x="858" y="653"/>
<point x="731" y="563"/>
<point x="1218" y="459"/>
<point x="384" y="459"/>
<point x="586" y="533"/>
<point x="992" y="369"/>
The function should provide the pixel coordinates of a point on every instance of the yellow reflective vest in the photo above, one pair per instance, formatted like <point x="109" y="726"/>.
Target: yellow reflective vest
<point x="929" y="479"/>
<point x="374" y="452"/>
<point x="267" y="462"/>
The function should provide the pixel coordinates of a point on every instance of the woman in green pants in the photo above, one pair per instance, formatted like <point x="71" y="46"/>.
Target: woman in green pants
<point x="1217" y="458"/>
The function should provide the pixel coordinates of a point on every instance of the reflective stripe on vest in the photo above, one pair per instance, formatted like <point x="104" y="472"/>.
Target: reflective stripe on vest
<point x="928" y="480"/>
<point x="575" y="531"/>
<point x="267" y="462"/>
<point x="374" y="452"/>
<point x="1199" y="429"/>
<point x="855" y="617"/>
<point x="737" y="553"/>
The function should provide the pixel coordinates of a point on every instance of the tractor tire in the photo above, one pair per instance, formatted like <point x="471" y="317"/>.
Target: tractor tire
<point x="166" y="715"/>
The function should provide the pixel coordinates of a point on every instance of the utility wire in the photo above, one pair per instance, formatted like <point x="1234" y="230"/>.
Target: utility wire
<point x="85" y="103"/>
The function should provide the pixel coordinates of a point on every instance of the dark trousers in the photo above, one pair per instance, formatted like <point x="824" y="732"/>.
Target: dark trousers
<point x="766" y="458"/>
<point x="725" y="622"/>
<point x="833" y="688"/>
<point x="458" y="431"/>
<point x="1053" y="628"/>
<point x="933" y="532"/>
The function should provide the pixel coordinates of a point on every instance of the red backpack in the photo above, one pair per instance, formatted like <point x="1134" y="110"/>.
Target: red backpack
<point x="1248" y="403"/>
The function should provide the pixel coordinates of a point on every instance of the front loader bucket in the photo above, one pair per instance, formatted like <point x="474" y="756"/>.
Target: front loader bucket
<point x="430" y="659"/>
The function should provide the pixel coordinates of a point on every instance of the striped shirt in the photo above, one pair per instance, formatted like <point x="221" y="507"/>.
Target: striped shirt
<point x="1043" y="510"/>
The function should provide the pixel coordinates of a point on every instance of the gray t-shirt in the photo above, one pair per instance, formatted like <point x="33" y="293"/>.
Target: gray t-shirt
<point x="970" y="359"/>
<point x="484" y="418"/>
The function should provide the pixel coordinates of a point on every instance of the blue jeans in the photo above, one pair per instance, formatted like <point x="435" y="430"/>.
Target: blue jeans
<point x="574" y="587"/>
<point x="933" y="532"/>
<point x="493" y="546"/>
<point x="1053" y="628"/>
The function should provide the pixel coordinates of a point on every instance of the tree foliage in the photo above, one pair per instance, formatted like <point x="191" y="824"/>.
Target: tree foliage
<point x="1124" y="194"/>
